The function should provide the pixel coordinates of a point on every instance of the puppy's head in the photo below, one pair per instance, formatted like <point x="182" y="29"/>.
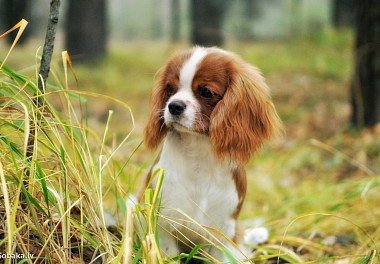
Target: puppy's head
<point x="211" y="92"/>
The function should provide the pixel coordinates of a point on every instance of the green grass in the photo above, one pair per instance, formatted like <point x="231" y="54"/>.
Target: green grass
<point x="320" y="181"/>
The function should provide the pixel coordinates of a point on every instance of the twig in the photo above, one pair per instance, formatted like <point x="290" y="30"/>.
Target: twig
<point x="42" y="76"/>
<point x="48" y="47"/>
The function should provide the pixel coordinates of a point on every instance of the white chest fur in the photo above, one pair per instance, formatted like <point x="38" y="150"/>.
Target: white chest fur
<point x="197" y="185"/>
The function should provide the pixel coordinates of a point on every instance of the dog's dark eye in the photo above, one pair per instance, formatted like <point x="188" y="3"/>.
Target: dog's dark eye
<point x="205" y="93"/>
<point x="169" y="89"/>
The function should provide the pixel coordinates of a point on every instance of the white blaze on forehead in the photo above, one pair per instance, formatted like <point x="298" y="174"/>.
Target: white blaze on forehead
<point x="189" y="68"/>
<point x="185" y="93"/>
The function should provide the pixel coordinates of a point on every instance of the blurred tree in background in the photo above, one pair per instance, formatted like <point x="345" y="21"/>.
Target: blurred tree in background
<point x="12" y="12"/>
<point x="249" y="13"/>
<point x="86" y="31"/>
<point x="243" y="25"/>
<point x="344" y="12"/>
<point x="365" y="86"/>
<point x="206" y="22"/>
<point x="175" y="24"/>
<point x="182" y="19"/>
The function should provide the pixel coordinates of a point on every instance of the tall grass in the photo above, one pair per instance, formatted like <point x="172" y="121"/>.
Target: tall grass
<point x="58" y="215"/>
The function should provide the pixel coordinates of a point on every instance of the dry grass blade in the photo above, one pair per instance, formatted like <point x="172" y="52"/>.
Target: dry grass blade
<point x="20" y="26"/>
<point x="4" y="190"/>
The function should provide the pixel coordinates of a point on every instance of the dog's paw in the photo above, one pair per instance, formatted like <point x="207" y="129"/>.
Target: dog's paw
<point x="255" y="236"/>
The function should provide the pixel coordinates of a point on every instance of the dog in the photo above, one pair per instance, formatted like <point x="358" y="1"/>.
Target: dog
<point x="210" y="111"/>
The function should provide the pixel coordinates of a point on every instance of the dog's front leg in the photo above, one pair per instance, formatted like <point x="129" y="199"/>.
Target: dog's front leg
<point x="168" y="243"/>
<point x="236" y="253"/>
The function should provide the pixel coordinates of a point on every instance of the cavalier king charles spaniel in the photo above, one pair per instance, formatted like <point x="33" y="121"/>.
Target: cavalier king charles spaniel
<point x="211" y="111"/>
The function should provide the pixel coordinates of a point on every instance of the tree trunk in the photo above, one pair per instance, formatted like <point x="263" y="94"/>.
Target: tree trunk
<point x="343" y="13"/>
<point x="86" y="33"/>
<point x="250" y="11"/>
<point x="207" y="18"/>
<point x="12" y="12"/>
<point x="365" y="88"/>
<point x="175" y="23"/>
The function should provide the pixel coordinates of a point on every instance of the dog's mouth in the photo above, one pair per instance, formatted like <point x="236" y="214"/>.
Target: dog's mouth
<point x="178" y="127"/>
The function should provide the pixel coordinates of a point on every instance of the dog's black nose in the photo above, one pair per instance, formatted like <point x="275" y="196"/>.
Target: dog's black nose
<point x="177" y="107"/>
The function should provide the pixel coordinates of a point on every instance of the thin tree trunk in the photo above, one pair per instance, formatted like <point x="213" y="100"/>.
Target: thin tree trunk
<point x="343" y="12"/>
<point x="43" y="75"/>
<point x="175" y="22"/>
<point x="250" y="13"/>
<point x="47" y="52"/>
<point x="86" y="33"/>
<point x="207" y="18"/>
<point x="365" y="87"/>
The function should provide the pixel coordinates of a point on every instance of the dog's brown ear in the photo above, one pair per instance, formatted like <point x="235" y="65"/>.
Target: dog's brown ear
<point x="245" y="117"/>
<point x="156" y="130"/>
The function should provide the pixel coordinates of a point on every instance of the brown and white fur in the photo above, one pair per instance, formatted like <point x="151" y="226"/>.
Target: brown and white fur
<point x="212" y="111"/>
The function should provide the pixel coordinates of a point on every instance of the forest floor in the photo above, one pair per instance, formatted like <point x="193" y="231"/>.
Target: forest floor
<point x="317" y="189"/>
